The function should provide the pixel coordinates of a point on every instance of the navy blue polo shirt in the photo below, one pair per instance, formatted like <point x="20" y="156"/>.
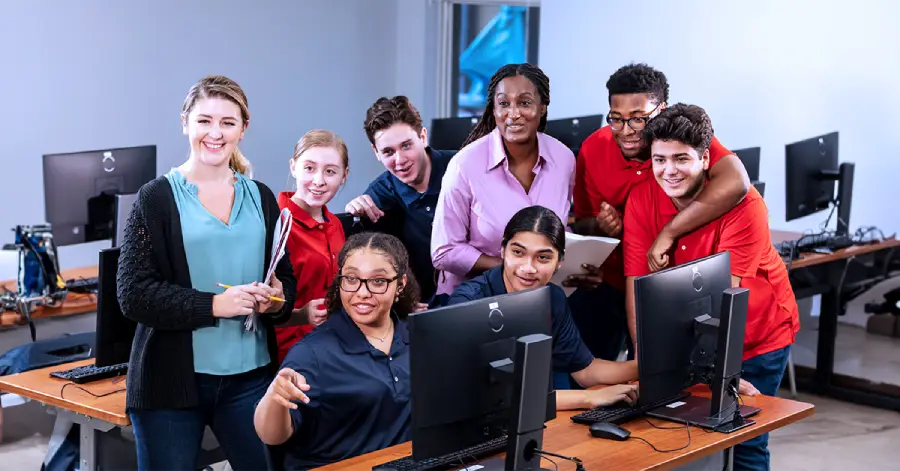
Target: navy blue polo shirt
<point x="570" y="354"/>
<point x="359" y="397"/>
<point x="389" y="193"/>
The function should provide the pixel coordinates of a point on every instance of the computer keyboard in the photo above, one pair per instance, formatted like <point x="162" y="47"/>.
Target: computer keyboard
<point x="621" y="414"/>
<point x="456" y="459"/>
<point x="793" y="248"/>
<point x="82" y="285"/>
<point x="89" y="373"/>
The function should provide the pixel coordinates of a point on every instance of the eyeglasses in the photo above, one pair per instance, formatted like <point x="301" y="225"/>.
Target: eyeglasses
<point x="351" y="284"/>
<point x="637" y="123"/>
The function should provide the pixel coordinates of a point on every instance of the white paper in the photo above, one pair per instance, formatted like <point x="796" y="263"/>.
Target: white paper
<point x="279" y="242"/>
<point x="581" y="249"/>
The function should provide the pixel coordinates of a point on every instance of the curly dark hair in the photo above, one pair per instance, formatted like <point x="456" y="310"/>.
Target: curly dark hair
<point x="688" y="124"/>
<point x="533" y="73"/>
<point x="386" y="112"/>
<point x="396" y="254"/>
<point x="639" y="78"/>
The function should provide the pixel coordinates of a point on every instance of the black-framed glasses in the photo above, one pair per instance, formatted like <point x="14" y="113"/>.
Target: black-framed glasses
<point x="379" y="285"/>
<point x="637" y="123"/>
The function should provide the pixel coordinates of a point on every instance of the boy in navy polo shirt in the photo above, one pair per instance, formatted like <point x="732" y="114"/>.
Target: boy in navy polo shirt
<point x="410" y="185"/>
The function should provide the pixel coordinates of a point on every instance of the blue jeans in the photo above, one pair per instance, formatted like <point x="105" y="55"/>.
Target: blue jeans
<point x="764" y="372"/>
<point x="169" y="439"/>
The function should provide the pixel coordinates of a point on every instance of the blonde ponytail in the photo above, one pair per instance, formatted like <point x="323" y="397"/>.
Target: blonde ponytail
<point x="240" y="164"/>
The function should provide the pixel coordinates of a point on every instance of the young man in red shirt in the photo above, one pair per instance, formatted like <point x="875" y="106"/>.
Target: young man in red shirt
<point x="612" y="161"/>
<point x="680" y="139"/>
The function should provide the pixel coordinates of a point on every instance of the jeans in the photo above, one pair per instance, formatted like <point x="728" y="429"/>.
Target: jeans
<point x="169" y="439"/>
<point x="764" y="372"/>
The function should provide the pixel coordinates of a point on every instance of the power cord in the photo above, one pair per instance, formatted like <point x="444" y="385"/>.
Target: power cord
<point x="687" y="426"/>
<point x="579" y="465"/>
<point x="76" y="386"/>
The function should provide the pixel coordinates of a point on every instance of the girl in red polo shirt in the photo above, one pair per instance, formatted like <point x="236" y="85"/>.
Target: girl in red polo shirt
<point x="320" y="166"/>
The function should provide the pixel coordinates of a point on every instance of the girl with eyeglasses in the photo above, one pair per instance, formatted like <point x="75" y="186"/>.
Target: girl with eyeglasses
<point x="344" y="389"/>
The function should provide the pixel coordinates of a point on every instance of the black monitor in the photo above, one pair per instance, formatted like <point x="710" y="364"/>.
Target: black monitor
<point x="481" y="370"/>
<point x="80" y="189"/>
<point x="115" y="332"/>
<point x="811" y="174"/>
<point x="573" y="131"/>
<point x="750" y="158"/>
<point x="760" y="187"/>
<point x="678" y="311"/>
<point x="450" y="133"/>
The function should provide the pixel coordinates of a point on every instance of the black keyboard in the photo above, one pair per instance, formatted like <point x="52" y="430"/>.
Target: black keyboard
<point x="461" y="458"/>
<point x="621" y="414"/>
<point x="88" y="373"/>
<point x="82" y="285"/>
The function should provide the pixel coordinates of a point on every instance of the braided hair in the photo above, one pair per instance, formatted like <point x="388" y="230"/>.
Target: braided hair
<point x="533" y="73"/>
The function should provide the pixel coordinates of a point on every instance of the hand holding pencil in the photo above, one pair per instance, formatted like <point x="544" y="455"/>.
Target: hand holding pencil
<point x="244" y="300"/>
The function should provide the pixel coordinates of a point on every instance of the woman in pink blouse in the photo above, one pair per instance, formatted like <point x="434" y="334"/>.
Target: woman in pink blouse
<point x="506" y="164"/>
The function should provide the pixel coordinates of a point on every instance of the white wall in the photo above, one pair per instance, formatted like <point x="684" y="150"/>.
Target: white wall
<point x="102" y="74"/>
<point x="769" y="72"/>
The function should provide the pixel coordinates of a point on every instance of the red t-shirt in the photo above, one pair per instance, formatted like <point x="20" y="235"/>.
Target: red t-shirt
<point x="313" y="248"/>
<point x="602" y="173"/>
<point x="772" y="316"/>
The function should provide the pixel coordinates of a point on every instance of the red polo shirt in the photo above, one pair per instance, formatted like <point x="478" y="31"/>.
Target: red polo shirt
<point x="602" y="173"/>
<point x="772" y="316"/>
<point x="313" y="248"/>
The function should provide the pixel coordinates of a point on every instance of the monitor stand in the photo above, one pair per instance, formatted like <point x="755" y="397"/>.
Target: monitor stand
<point x="530" y="374"/>
<point x="725" y="337"/>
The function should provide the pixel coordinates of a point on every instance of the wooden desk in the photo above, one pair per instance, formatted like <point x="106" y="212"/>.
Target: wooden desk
<point x="565" y="437"/>
<point x="94" y="415"/>
<point x="74" y="303"/>
<point x="38" y="385"/>
<point x="832" y="275"/>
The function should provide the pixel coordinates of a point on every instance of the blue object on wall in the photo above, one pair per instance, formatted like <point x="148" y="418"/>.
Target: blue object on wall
<point x="501" y="42"/>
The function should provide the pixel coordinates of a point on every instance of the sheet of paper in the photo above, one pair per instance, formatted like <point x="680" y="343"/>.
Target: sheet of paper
<point x="279" y="242"/>
<point x="582" y="249"/>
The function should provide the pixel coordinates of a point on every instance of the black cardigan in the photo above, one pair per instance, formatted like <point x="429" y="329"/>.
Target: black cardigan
<point x="154" y="290"/>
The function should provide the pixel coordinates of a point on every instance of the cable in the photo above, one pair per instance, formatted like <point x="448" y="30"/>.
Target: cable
<point x="70" y="383"/>
<point x="555" y="466"/>
<point x="687" y="426"/>
<point x="579" y="465"/>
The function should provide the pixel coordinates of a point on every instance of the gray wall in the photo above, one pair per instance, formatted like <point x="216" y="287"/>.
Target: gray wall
<point x="769" y="72"/>
<point x="102" y="73"/>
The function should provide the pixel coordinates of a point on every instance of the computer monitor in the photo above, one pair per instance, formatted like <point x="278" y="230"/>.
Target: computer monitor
<point x="80" y="189"/>
<point x="450" y="133"/>
<point x="760" y="187"/>
<point x="750" y="158"/>
<point x="811" y="174"/>
<point x="573" y="131"/>
<point x="115" y="332"/>
<point x="677" y="310"/>
<point x="123" y="210"/>
<point x="463" y="359"/>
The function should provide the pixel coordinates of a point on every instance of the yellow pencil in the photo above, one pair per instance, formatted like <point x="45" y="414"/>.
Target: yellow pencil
<point x="273" y="298"/>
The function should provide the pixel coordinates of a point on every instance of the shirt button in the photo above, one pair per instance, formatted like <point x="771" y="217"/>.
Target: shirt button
<point x="396" y="379"/>
<point x="390" y="358"/>
<point x="428" y="208"/>
<point x="638" y="172"/>
<point x="683" y="247"/>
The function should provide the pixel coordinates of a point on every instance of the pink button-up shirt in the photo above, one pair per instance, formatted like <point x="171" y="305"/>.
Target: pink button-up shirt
<point x="479" y="195"/>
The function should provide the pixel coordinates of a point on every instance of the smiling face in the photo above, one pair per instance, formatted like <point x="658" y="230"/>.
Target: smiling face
<point x="319" y="172"/>
<point x="518" y="109"/>
<point x="214" y="127"/>
<point x="626" y="106"/>
<point x="679" y="169"/>
<point x="364" y="306"/>
<point x="529" y="261"/>
<point x="402" y="152"/>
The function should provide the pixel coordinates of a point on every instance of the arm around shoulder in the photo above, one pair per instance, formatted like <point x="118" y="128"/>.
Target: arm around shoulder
<point x="145" y="295"/>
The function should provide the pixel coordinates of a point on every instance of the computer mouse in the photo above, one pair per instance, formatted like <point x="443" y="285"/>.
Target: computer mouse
<point x="609" y="431"/>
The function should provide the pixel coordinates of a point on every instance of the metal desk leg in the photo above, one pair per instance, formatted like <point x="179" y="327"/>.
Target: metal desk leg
<point x="729" y="458"/>
<point x="828" y="324"/>
<point x="89" y="428"/>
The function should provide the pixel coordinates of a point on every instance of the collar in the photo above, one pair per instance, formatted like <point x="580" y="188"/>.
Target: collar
<point x="498" y="152"/>
<point x="352" y="339"/>
<point x="438" y="166"/>
<point x="299" y="214"/>
<point x="495" y="283"/>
